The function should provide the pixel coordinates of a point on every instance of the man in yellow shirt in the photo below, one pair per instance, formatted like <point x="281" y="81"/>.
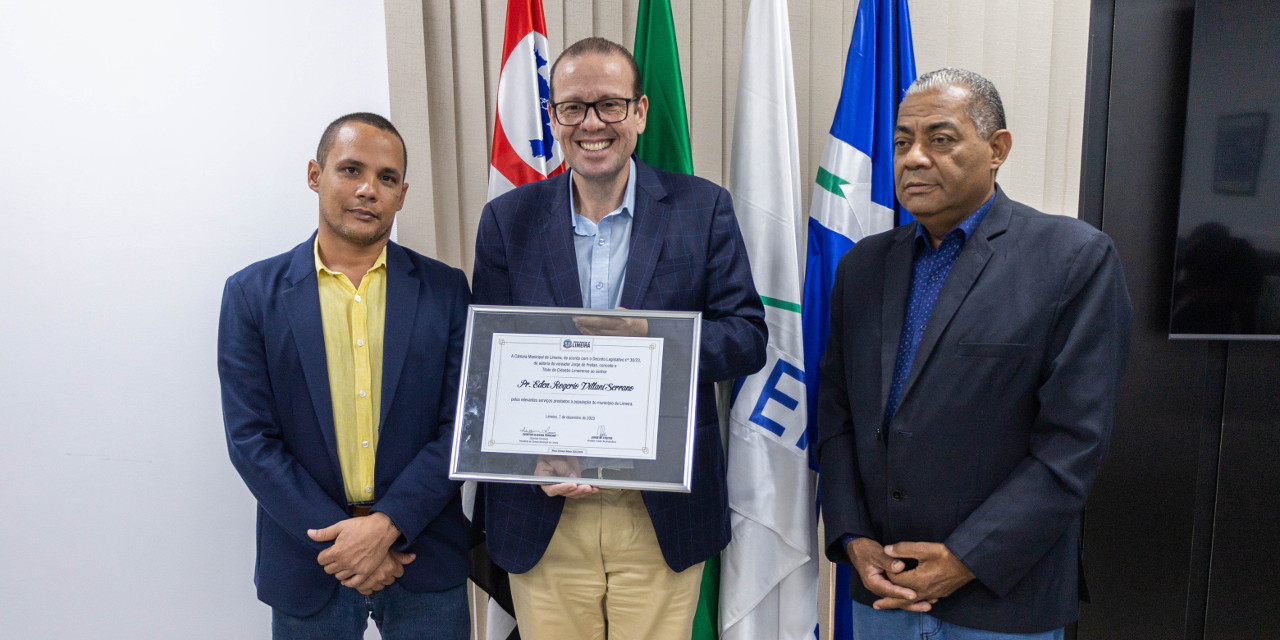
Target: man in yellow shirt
<point x="339" y="365"/>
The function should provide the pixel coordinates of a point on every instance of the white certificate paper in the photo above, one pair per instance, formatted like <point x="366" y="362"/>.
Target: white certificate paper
<point x="591" y="396"/>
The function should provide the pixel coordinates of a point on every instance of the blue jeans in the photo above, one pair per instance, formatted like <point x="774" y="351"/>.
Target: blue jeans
<point x="896" y="624"/>
<point x="400" y="615"/>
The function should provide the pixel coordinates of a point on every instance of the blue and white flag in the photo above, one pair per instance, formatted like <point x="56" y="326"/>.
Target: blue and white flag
<point x="853" y="195"/>
<point x="769" y="571"/>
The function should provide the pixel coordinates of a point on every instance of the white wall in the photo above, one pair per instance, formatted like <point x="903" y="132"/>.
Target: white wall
<point x="147" y="151"/>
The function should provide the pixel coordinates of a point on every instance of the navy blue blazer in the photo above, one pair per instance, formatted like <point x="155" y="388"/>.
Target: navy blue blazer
<point x="279" y="420"/>
<point x="1004" y="419"/>
<point x="686" y="254"/>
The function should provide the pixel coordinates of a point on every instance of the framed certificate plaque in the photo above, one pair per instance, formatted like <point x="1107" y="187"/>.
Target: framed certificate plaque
<point x="600" y="397"/>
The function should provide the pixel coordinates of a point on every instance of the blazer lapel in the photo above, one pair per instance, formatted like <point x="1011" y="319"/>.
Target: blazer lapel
<point x="302" y="306"/>
<point x="969" y="265"/>
<point x="893" y="312"/>
<point x="559" y="260"/>
<point x="648" y="228"/>
<point x="403" y="287"/>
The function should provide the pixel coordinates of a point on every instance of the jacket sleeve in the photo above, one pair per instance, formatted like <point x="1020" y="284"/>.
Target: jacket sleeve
<point x="733" y="327"/>
<point x="844" y="511"/>
<point x="284" y="489"/>
<point x="1086" y="352"/>
<point x="423" y="489"/>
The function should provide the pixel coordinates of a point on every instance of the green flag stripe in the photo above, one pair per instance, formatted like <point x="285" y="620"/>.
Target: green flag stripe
<point x="706" y="618"/>
<point x="665" y="145"/>
<point x="831" y="182"/>
<point x="665" y="141"/>
<point x="780" y="304"/>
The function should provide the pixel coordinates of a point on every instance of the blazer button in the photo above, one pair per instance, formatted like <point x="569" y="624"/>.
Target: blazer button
<point x="896" y="495"/>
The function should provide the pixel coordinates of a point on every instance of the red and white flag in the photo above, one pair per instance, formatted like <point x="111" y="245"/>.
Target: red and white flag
<point x="523" y="149"/>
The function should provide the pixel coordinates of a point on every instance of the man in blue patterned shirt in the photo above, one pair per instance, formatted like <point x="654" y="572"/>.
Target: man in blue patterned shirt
<point x="968" y="389"/>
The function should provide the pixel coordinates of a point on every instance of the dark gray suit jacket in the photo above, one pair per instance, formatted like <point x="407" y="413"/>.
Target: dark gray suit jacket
<point x="1004" y="419"/>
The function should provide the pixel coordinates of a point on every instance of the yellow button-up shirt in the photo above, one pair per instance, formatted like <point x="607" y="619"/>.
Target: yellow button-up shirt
<point x="353" y="323"/>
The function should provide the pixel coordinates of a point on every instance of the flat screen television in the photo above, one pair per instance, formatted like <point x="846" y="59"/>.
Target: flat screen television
<point x="1227" y="264"/>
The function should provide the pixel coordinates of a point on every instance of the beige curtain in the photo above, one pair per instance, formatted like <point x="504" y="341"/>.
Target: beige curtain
<point x="444" y="56"/>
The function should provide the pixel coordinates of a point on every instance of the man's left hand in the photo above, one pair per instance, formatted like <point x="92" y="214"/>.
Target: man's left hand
<point x="389" y="571"/>
<point x="359" y="545"/>
<point x="611" y="325"/>
<point x="938" y="575"/>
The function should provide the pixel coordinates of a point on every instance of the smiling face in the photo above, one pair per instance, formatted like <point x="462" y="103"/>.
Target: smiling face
<point x="361" y="185"/>
<point x="942" y="168"/>
<point x="598" y="152"/>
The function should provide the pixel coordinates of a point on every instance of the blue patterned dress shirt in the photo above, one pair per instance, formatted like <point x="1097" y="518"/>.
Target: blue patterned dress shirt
<point x="929" y="271"/>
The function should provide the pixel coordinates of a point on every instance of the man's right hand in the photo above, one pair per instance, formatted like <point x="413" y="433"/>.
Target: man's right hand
<point x="876" y="570"/>
<point x="563" y="467"/>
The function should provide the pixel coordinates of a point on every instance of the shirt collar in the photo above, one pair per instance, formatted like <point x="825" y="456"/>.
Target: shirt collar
<point x="320" y="268"/>
<point x="964" y="230"/>
<point x="583" y="226"/>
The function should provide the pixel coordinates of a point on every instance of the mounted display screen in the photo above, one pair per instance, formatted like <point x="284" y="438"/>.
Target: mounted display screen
<point x="1227" y="265"/>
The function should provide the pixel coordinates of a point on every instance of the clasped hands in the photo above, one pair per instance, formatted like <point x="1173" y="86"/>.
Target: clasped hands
<point x="884" y="572"/>
<point x="361" y="556"/>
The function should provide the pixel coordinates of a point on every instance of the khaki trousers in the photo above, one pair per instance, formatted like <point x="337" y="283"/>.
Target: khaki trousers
<point x="603" y="578"/>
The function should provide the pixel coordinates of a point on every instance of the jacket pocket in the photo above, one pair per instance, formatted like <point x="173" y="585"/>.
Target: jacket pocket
<point x="991" y="349"/>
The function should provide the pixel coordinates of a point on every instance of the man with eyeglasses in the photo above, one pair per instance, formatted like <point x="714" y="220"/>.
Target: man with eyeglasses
<point x="614" y="233"/>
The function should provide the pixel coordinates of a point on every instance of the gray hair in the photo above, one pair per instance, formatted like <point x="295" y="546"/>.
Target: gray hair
<point x="985" y="108"/>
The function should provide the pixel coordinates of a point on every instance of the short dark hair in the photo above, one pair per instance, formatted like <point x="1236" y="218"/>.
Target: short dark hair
<point x="603" y="47"/>
<point x="372" y="119"/>
<point x="985" y="108"/>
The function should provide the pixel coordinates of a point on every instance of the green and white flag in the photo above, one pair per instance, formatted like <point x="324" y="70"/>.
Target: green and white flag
<point x="665" y="145"/>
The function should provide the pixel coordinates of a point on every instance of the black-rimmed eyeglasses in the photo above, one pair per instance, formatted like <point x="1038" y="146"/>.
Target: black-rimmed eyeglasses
<point x="610" y="110"/>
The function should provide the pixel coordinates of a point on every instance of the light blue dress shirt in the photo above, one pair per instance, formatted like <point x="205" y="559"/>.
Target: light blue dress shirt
<point x="603" y="248"/>
<point x="602" y="267"/>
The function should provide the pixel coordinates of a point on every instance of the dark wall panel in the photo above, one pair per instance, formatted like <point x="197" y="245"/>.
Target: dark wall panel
<point x="1185" y="516"/>
<point x="1140" y="534"/>
<point x="1244" y="585"/>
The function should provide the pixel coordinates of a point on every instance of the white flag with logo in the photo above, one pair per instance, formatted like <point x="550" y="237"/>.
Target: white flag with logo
<point x="769" y="579"/>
